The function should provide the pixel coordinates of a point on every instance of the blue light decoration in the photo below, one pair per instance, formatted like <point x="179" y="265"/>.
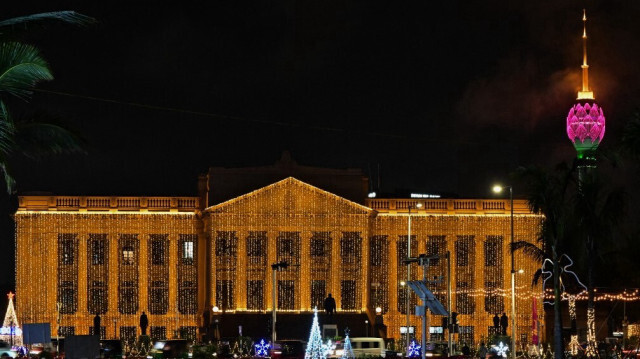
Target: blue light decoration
<point x="413" y="351"/>
<point x="262" y="348"/>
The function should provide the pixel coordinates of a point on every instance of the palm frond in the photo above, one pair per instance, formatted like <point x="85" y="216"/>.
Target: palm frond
<point x="21" y="68"/>
<point x="41" y="135"/>
<point x="530" y="250"/>
<point x="7" y="130"/>
<point x="69" y="17"/>
<point x="8" y="179"/>
<point x="536" y="277"/>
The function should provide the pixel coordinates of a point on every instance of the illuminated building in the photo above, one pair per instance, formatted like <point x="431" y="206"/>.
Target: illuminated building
<point x="177" y="258"/>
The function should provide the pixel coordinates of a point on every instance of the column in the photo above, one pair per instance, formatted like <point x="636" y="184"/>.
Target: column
<point x="336" y="268"/>
<point x="143" y="272"/>
<point x="240" y="286"/>
<point x="305" y="270"/>
<point x="82" y="274"/>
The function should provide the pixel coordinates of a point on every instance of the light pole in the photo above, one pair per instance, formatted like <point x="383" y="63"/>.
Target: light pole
<point x="499" y="189"/>
<point x="408" y="293"/>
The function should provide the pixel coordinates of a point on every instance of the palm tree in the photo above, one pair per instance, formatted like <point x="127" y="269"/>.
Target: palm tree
<point x="598" y="211"/>
<point x="21" y="69"/>
<point x="548" y="193"/>
<point x="631" y="137"/>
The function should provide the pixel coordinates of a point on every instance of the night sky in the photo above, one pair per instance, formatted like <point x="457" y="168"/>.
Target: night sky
<point x="446" y="96"/>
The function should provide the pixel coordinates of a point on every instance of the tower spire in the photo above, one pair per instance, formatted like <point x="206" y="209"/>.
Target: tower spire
<point x="586" y="93"/>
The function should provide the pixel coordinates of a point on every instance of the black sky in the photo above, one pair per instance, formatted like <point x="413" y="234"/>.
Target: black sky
<point x="444" y="96"/>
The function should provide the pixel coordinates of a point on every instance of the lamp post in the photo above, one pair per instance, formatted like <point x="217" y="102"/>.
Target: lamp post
<point x="58" y="308"/>
<point x="499" y="189"/>
<point x="216" y="321"/>
<point x="408" y="293"/>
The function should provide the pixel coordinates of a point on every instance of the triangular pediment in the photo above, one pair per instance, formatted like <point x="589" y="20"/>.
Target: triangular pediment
<point x="290" y="196"/>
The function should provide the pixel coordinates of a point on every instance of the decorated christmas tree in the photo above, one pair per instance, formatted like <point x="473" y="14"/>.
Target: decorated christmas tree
<point x="348" y="350"/>
<point x="315" y="349"/>
<point x="10" y="331"/>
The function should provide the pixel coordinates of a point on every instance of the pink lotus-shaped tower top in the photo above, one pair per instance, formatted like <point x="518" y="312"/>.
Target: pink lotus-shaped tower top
<point x="585" y="126"/>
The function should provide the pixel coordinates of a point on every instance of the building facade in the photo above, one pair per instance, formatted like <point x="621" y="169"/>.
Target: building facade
<point x="175" y="259"/>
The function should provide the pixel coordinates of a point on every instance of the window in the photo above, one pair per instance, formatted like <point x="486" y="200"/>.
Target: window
<point x="187" y="298"/>
<point x="255" y="294"/>
<point x="286" y="294"/>
<point x="226" y="243"/>
<point x="464" y="248"/>
<point x="98" y="249"/>
<point x="320" y="244"/>
<point x="66" y="331"/>
<point x="493" y="301"/>
<point x="466" y="334"/>
<point x="348" y="293"/>
<point x="103" y="331"/>
<point x="493" y="251"/>
<point x="158" y="333"/>
<point x="188" y="333"/>
<point x="158" y="251"/>
<point x="288" y="246"/>
<point x="224" y="294"/>
<point x="436" y="245"/>
<point x="127" y="256"/>
<point x="68" y="296"/>
<point x="465" y="303"/>
<point x="350" y="247"/>
<point x="128" y="298"/>
<point x="66" y="249"/>
<point x="318" y="293"/>
<point x="256" y="245"/>
<point x="187" y="248"/>
<point x="98" y="298"/>
<point x="158" y="297"/>
<point x="128" y="334"/>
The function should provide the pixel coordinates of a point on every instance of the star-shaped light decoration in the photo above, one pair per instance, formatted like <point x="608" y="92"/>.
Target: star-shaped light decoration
<point x="501" y="349"/>
<point x="262" y="348"/>
<point x="414" y="349"/>
<point x="328" y="348"/>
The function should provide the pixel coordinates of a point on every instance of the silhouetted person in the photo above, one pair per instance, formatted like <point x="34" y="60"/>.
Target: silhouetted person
<point x="482" y="351"/>
<point x="144" y="323"/>
<point x="96" y="325"/>
<point x="465" y="350"/>
<point x="496" y="321"/>
<point x="504" y="323"/>
<point x="329" y="304"/>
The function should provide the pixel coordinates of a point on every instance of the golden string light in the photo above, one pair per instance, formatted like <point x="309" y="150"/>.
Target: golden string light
<point x="115" y="264"/>
<point x="152" y="261"/>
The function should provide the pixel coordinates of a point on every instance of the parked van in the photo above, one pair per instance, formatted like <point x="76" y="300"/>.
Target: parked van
<point x="363" y="346"/>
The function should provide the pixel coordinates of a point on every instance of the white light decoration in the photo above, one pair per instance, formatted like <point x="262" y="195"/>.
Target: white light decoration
<point x="315" y="348"/>
<point x="501" y="349"/>
<point x="10" y="332"/>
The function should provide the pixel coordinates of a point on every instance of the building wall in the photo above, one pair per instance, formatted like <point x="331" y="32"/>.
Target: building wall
<point x="120" y="258"/>
<point x="117" y="264"/>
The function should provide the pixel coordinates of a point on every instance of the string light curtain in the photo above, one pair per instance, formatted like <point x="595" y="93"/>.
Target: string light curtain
<point x="103" y="263"/>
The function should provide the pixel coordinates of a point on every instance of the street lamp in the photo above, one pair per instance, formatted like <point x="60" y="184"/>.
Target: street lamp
<point x="498" y="189"/>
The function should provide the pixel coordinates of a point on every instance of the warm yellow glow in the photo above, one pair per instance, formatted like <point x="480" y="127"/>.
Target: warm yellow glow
<point x="520" y="270"/>
<point x="351" y="251"/>
<point x="419" y="205"/>
<point x="497" y="188"/>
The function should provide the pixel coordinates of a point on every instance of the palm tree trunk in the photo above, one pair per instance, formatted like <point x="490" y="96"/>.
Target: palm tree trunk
<point x="558" y="344"/>
<point x="591" y="309"/>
